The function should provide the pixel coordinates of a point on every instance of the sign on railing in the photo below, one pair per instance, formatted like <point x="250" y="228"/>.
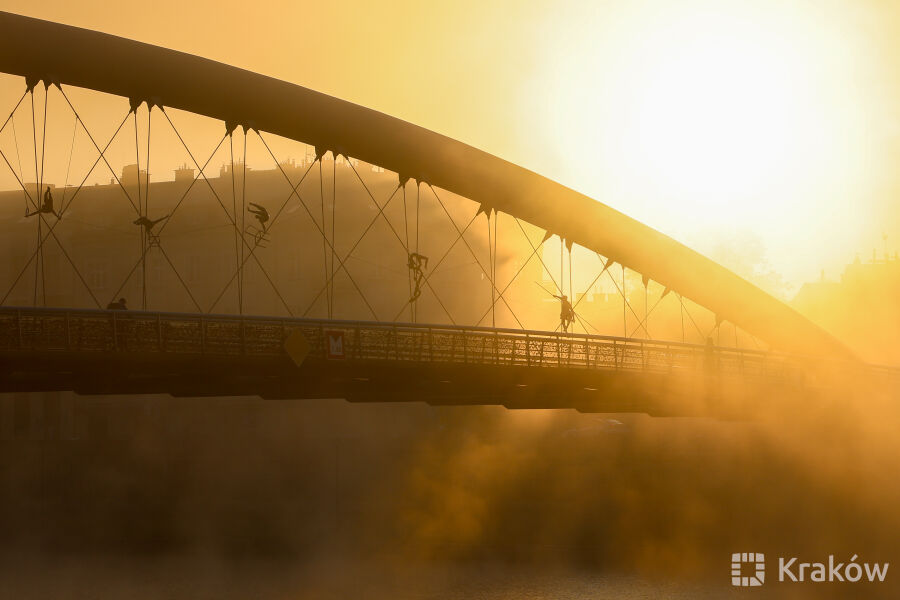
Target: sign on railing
<point x="334" y="345"/>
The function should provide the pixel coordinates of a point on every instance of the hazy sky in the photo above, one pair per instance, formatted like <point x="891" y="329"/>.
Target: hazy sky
<point x="702" y="118"/>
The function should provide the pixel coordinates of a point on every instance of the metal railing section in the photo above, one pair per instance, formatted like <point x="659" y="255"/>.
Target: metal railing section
<point x="98" y="331"/>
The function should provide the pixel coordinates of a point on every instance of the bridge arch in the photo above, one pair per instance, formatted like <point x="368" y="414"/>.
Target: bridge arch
<point x="167" y="78"/>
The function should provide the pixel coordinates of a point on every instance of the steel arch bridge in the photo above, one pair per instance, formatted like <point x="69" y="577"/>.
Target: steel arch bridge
<point x="408" y="329"/>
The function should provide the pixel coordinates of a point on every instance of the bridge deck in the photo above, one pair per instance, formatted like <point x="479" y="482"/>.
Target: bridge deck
<point x="127" y="352"/>
<point x="156" y="333"/>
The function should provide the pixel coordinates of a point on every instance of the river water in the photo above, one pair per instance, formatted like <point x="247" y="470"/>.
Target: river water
<point x="198" y="578"/>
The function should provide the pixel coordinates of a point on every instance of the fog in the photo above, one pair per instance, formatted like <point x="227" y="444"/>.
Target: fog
<point x="295" y="499"/>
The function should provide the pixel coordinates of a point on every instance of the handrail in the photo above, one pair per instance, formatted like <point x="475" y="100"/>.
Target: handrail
<point x="340" y="323"/>
<point x="92" y="330"/>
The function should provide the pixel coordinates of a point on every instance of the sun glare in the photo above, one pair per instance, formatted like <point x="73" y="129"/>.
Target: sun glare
<point x="718" y="118"/>
<point x="715" y="114"/>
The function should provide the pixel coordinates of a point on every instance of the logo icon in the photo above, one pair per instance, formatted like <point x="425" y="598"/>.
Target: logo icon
<point x="752" y="563"/>
<point x="335" y="345"/>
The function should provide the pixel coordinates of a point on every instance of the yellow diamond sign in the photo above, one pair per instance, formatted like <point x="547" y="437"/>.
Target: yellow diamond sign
<point x="297" y="347"/>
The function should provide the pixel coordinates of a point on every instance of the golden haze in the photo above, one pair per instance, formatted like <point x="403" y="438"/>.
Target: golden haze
<point x="699" y="120"/>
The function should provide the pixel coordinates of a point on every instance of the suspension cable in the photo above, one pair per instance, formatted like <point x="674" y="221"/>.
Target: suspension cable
<point x="62" y="201"/>
<point x="180" y="279"/>
<point x="584" y="322"/>
<point x="420" y="279"/>
<point x="606" y="265"/>
<point x="102" y="152"/>
<point x="68" y="258"/>
<point x="142" y="212"/>
<point x="233" y="219"/>
<point x="237" y="243"/>
<point x="487" y="215"/>
<point x="252" y="250"/>
<point x="63" y="210"/>
<point x="534" y="251"/>
<point x="494" y="269"/>
<point x="624" y="302"/>
<point x="433" y="270"/>
<point x="137" y="158"/>
<point x="415" y="303"/>
<point x="643" y="324"/>
<point x="37" y="264"/>
<point x="19" y="161"/>
<point x="409" y="273"/>
<point x="43" y="240"/>
<point x="540" y="257"/>
<point x="65" y="186"/>
<point x="646" y="323"/>
<point x="333" y="203"/>
<point x="562" y="273"/>
<point x="474" y="255"/>
<point x="324" y="242"/>
<point x="41" y="186"/>
<point x="621" y="291"/>
<point x="147" y="192"/>
<point x="34" y="138"/>
<point x="14" y="110"/>
<point x="146" y="206"/>
<point x="691" y="317"/>
<point x="100" y="156"/>
<point x="243" y="225"/>
<point x="418" y="197"/>
<point x="342" y="261"/>
<point x="125" y="281"/>
<point x="571" y="287"/>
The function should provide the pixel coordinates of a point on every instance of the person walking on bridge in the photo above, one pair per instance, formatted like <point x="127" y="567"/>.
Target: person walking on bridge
<point x="117" y="305"/>
<point x="566" y="312"/>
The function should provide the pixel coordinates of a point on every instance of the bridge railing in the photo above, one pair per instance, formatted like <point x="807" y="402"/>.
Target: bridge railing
<point x="140" y="332"/>
<point x="543" y="349"/>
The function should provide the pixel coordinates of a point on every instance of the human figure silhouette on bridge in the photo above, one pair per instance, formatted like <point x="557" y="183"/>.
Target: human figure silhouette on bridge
<point x="566" y="312"/>
<point x="417" y="263"/>
<point x="147" y="224"/>
<point x="46" y="206"/>
<point x="261" y="214"/>
<point x="117" y="305"/>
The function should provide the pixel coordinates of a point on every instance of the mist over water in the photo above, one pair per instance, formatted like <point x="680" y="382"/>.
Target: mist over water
<point x="227" y="498"/>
